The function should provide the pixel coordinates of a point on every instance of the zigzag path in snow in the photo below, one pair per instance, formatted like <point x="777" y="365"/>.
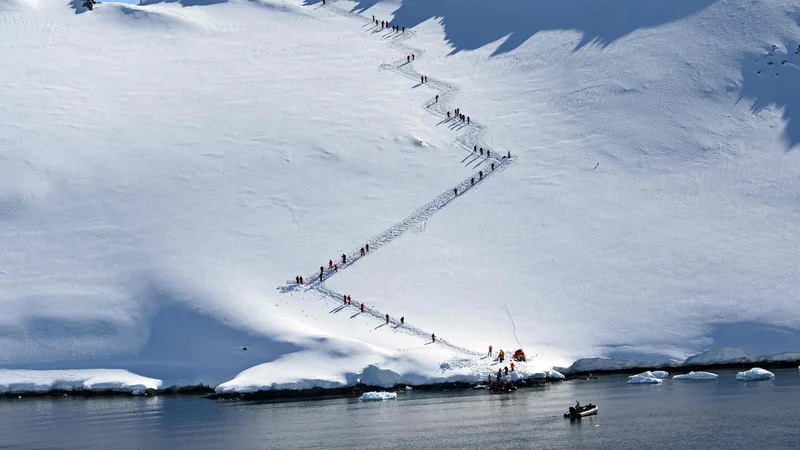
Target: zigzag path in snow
<point x="472" y="135"/>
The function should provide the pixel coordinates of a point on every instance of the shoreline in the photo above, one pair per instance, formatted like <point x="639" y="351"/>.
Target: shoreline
<point x="209" y="392"/>
<point x="586" y="374"/>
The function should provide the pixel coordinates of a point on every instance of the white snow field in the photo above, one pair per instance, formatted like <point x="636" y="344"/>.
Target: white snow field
<point x="755" y="374"/>
<point x="167" y="169"/>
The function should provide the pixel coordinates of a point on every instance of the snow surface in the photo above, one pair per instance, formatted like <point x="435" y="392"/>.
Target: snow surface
<point x="652" y="374"/>
<point x="12" y="381"/>
<point x="755" y="374"/>
<point x="168" y="169"/>
<point x="378" y="396"/>
<point x="718" y="356"/>
<point x="696" y="376"/>
<point x="644" y="379"/>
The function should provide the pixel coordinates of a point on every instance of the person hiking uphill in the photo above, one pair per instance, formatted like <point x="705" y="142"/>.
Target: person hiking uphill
<point x="402" y="320"/>
<point x="362" y="251"/>
<point x="367" y="246"/>
<point x="362" y="307"/>
<point x="433" y="338"/>
<point x="344" y="258"/>
<point x="297" y="279"/>
<point x="490" y="350"/>
<point x="387" y="318"/>
<point x="330" y="264"/>
<point x="437" y="99"/>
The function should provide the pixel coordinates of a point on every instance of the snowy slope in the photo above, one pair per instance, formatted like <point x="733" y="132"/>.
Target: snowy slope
<point x="168" y="168"/>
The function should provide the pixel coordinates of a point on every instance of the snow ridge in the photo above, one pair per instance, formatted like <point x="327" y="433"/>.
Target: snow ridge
<point x="471" y="137"/>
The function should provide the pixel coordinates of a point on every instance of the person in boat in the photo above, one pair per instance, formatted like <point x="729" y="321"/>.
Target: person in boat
<point x="578" y="406"/>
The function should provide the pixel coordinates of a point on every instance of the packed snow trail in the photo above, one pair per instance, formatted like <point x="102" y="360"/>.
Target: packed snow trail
<point x="468" y="140"/>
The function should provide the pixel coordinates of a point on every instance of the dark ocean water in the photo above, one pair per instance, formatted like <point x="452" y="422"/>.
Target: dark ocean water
<point x="676" y="415"/>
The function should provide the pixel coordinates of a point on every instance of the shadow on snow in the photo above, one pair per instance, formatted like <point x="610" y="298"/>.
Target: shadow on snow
<point x="472" y="24"/>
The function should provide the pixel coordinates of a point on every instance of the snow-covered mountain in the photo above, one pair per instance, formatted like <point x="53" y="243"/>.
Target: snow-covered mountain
<point x="168" y="169"/>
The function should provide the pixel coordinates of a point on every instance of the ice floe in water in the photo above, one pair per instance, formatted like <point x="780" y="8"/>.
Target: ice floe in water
<point x="643" y="378"/>
<point x="378" y="396"/>
<point x="696" y="376"/>
<point x="755" y="374"/>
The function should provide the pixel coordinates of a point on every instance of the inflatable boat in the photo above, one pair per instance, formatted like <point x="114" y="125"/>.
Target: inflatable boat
<point x="574" y="413"/>
<point x="502" y="387"/>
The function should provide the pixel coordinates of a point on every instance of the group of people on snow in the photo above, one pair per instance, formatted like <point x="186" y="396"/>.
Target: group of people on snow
<point x="386" y="24"/>
<point x="504" y="371"/>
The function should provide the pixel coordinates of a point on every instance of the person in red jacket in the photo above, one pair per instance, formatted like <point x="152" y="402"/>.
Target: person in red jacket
<point x="490" y="350"/>
<point x="362" y="307"/>
<point x="387" y="318"/>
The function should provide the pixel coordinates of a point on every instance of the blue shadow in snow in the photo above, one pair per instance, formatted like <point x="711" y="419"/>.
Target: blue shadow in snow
<point x="757" y="339"/>
<point x="776" y="84"/>
<point x="471" y="24"/>
<point x="183" y="346"/>
<point x="184" y="2"/>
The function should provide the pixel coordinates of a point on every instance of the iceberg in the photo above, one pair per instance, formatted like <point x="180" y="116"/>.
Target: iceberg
<point x="644" y="379"/>
<point x="378" y="396"/>
<point x="696" y="376"/>
<point x="755" y="374"/>
<point x="653" y="374"/>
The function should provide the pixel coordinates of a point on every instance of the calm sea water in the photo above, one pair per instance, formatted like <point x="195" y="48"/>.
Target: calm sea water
<point x="676" y="415"/>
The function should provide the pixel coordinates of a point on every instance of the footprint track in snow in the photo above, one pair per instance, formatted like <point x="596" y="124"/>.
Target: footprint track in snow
<point x="472" y="135"/>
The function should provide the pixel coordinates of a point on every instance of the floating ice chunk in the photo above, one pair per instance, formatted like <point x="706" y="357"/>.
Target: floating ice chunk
<point x="555" y="375"/>
<point x="378" y="396"/>
<point x="755" y="374"/>
<point x="644" y="379"/>
<point x="409" y="388"/>
<point x="696" y="376"/>
<point x="654" y="374"/>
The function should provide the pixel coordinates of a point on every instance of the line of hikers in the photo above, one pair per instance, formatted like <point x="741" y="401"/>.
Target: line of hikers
<point x="332" y="266"/>
<point x="385" y="24"/>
